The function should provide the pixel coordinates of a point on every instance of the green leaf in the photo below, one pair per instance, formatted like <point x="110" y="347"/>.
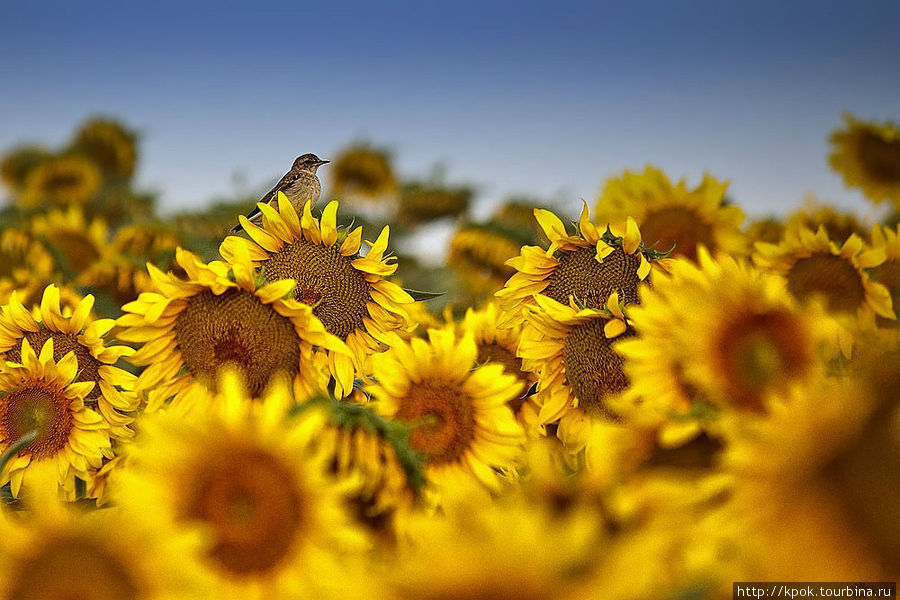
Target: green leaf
<point x="419" y="295"/>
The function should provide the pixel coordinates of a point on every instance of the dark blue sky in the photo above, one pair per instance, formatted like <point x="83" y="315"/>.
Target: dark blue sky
<point x="545" y="98"/>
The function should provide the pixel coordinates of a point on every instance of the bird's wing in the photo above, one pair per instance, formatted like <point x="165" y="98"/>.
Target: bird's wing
<point x="267" y="198"/>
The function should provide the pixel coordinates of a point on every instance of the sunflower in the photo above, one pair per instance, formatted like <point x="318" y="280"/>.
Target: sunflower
<point x="579" y="370"/>
<point x="71" y="180"/>
<point x="18" y="162"/>
<point x="219" y="315"/>
<point x="816" y="267"/>
<point x="421" y="202"/>
<point x="349" y="293"/>
<point x="500" y="346"/>
<point x="838" y="225"/>
<point x="74" y="331"/>
<point x="53" y="551"/>
<point x="25" y="264"/>
<point x="766" y="229"/>
<point x="76" y="243"/>
<point x="673" y="216"/>
<point x="459" y="415"/>
<point x="109" y="145"/>
<point x="41" y="394"/>
<point x="719" y="334"/>
<point x="867" y="154"/>
<point x="887" y="273"/>
<point x="247" y="475"/>
<point x="589" y="266"/>
<point x="364" y="173"/>
<point x="478" y="255"/>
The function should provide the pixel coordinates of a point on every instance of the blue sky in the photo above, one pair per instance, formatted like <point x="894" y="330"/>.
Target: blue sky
<point x="546" y="99"/>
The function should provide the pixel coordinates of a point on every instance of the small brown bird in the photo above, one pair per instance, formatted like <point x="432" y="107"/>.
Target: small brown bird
<point x="299" y="185"/>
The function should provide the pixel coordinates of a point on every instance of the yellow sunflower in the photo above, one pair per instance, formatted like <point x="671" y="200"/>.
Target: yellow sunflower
<point x="766" y="229"/>
<point x="77" y="243"/>
<point x="867" y="154"/>
<point x="18" y="162"/>
<point x="579" y="370"/>
<point x="109" y="145"/>
<point x="421" y="202"/>
<point x="220" y="315"/>
<point x="838" y="225"/>
<point x="69" y="180"/>
<point x="719" y="334"/>
<point x="25" y="264"/>
<point x="816" y="267"/>
<point x="672" y="215"/>
<point x="459" y="416"/>
<point x="887" y="273"/>
<point x="41" y="395"/>
<point x="348" y="292"/>
<point x="53" y="551"/>
<point x="74" y="331"/>
<point x="589" y="266"/>
<point x="246" y="474"/>
<point x="478" y="256"/>
<point x="362" y="173"/>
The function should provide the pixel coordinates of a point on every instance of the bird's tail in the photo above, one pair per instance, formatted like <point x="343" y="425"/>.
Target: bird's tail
<point x="237" y="228"/>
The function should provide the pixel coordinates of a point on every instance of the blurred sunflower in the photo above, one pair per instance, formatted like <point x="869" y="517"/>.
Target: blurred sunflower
<point x="18" y="162"/>
<point x="478" y="255"/>
<point x="460" y="419"/>
<point x="70" y="180"/>
<point x="887" y="273"/>
<point x="41" y="395"/>
<point x="766" y="229"/>
<point x="867" y="154"/>
<point x="673" y="216"/>
<point x="25" y="264"/>
<point x="518" y="213"/>
<point x="348" y="292"/>
<point x="589" y="266"/>
<point x="246" y="474"/>
<point x="816" y="267"/>
<point x="719" y="332"/>
<point x="578" y="368"/>
<point x="74" y="331"/>
<point x="221" y="315"/>
<point x="75" y="242"/>
<point x="53" y="551"/>
<point x="421" y="202"/>
<point x="109" y="145"/>
<point x="838" y="225"/>
<point x="499" y="346"/>
<point x="362" y="172"/>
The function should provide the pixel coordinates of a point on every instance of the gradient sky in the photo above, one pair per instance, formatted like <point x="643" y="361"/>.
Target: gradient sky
<point x="546" y="99"/>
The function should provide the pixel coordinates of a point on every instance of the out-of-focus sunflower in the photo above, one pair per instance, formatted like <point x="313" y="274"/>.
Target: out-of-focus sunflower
<point x="25" y="264"/>
<point x="766" y="229"/>
<point x="867" y="154"/>
<point x="839" y="225"/>
<point x="816" y="267"/>
<point x="247" y="475"/>
<point x="459" y="415"/>
<point x="348" y="292"/>
<point x="70" y="180"/>
<point x="74" y="331"/>
<point x="221" y="315"/>
<point x="53" y="551"/>
<point x="41" y="395"/>
<point x="422" y="202"/>
<point x="500" y="346"/>
<point x="478" y="255"/>
<point x="672" y="215"/>
<point x="109" y="144"/>
<point x="721" y="334"/>
<point x="18" y="162"/>
<point x="75" y="242"/>
<point x="518" y="213"/>
<point x="887" y="273"/>
<point x="364" y="173"/>
<point x="579" y="370"/>
<point x="589" y="266"/>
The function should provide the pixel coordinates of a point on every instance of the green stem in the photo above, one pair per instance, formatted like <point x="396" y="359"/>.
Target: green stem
<point x="16" y="447"/>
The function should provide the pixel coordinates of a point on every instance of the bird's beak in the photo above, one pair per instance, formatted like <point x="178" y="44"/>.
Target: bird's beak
<point x="324" y="162"/>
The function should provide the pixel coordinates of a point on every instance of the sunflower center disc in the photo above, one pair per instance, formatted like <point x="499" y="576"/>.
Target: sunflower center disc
<point x="678" y="227"/>
<point x="593" y="369"/>
<point x="761" y="350"/>
<point x="880" y="158"/>
<point x="442" y="419"/>
<point x="832" y="277"/>
<point x="236" y="328"/>
<point x="591" y="282"/>
<point x="249" y="498"/>
<point x="79" y="251"/>
<point x="63" y="343"/>
<point x="72" y="567"/>
<point x="40" y="409"/>
<point x="327" y="281"/>
<point x="512" y="365"/>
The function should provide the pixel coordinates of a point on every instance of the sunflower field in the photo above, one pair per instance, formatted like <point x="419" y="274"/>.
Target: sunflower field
<point x="651" y="399"/>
